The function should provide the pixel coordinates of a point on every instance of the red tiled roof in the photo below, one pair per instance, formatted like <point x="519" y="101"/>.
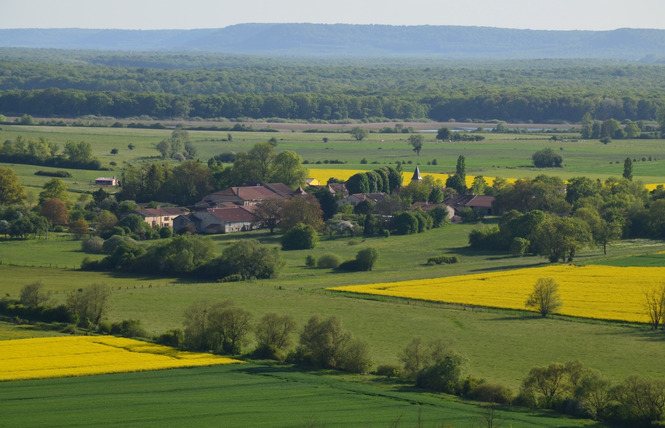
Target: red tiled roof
<point x="230" y="215"/>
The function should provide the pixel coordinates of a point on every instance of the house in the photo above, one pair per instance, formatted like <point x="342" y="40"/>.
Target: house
<point x="105" y="181"/>
<point x="482" y="204"/>
<point x="159" y="217"/>
<point x="428" y="206"/>
<point x="245" y="195"/>
<point x="357" y="198"/>
<point x="217" y="220"/>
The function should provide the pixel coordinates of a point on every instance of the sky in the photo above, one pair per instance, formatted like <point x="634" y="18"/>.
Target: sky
<point x="173" y="14"/>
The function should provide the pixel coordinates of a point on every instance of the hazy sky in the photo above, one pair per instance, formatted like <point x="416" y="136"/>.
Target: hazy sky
<point x="172" y="14"/>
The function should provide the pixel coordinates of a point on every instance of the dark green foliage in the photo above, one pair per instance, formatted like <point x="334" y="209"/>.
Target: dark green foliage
<point x="249" y="259"/>
<point x="310" y="261"/>
<point x="443" y="375"/>
<point x="439" y="216"/>
<point x="300" y="237"/>
<point x="328" y="261"/>
<point x="365" y="259"/>
<point x="327" y="344"/>
<point x="173" y="338"/>
<point x="358" y="183"/>
<point x="129" y="328"/>
<point x="406" y="223"/>
<point x="486" y="238"/>
<point x="388" y="370"/>
<point x="547" y="158"/>
<point x="491" y="393"/>
<point x="61" y="174"/>
<point x="442" y="260"/>
<point x="519" y="246"/>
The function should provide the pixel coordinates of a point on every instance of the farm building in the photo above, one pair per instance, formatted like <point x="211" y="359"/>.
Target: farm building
<point x="246" y="195"/>
<point x="106" y="181"/>
<point x="160" y="217"/>
<point x="482" y="204"/>
<point x="217" y="220"/>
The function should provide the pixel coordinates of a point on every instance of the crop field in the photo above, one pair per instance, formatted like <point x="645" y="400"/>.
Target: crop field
<point x="240" y="395"/>
<point x="599" y="292"/>
<point x="90" y="355"/>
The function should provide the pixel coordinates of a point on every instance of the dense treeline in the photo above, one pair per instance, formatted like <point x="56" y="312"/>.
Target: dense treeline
<point x="518" y="91"/>
<point x="535" y="104"/>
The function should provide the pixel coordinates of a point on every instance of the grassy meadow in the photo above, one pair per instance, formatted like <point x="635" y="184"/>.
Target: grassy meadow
<point x="500" y="345"/>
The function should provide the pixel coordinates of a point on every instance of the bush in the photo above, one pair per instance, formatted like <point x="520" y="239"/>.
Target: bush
<point x="366" y="258"/>
<point x="114" y="242"/>
<point x="300" y="237"/>
<point x="310" y="261"/>
<point x="388" y="370"/>
<point x="519" y="246"/>
<point x="129" y="328"/>
<point x="173" y="338"/>
<point x="328" y="261"/>
<point x="443" y="376"/>
<point x="491" y="393"/>
<point x="92" y="245"/>
<point x="442" y="259"/>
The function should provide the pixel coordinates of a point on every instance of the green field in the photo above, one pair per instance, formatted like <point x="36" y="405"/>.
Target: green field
<point x="240" y="396"/>
<point x="501" y="346"/>
<point x="499" y="155"/>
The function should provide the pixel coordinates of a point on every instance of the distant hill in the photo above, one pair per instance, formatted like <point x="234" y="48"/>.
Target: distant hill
<point x="358" y="41"/>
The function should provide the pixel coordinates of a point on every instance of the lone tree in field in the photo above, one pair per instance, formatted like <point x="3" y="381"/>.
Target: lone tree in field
<point x="545" y="297"/>
<point x="359" y="133"/>
<point x="654" y="305"/>
<point x="416" y="141"/>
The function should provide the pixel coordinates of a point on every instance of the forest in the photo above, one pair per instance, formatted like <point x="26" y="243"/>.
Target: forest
<point x="189" y="86"/>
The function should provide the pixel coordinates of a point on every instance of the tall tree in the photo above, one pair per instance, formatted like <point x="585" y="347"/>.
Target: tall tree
<point x="628" y="169"/>
<point x="288" y="169"/>
<point x="55" y="210"/>
<point x="11" y="191"/>
<point x="54" y="188"/>
<point x="416" y="141"/>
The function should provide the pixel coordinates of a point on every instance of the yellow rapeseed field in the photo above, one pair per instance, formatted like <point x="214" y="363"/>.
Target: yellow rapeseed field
<point x="322" y="175"/>
<point x="89" y="355"/>
<point x="601" y="292"/>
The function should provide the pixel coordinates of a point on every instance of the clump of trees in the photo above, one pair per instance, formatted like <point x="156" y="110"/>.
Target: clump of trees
<point x="77" y="155"/>
<point x="191" y="255"/>
<point x="385" y="179"/>
<point x="578" y="390"/>
<point x="547" y="158"/>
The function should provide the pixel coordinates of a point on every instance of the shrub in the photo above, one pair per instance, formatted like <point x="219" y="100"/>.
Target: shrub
<point x="173" y="338"/>
<point x="355" y="357"/>
<point x="519" y="246"/>
<point x="366" y="258"/>
<point x="491" y="393"/>
<point x="300" y="237"/>
<point x="114" y="242"/>
<point x="388" y="370"/>
<point x="328" y="261"/>
<point x="443" y="375"/>
<point x="442" y="259"/>
<point x="129" y="328"/>
<point x="310" y="261"/>
<point x="92" y="245"/>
